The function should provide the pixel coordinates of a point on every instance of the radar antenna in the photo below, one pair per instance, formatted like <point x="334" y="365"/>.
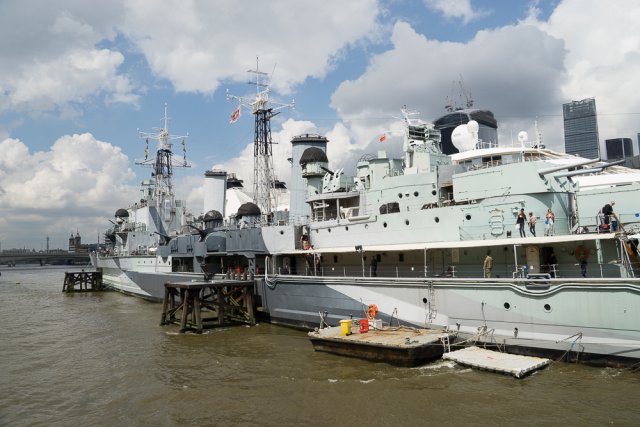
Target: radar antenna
<point x="464" y="95"/>
<point x="164" y="162"/>
<point x="264" y="193"/>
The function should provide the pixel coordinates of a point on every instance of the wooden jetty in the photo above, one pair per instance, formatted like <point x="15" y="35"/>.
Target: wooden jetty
<point x="400" y="346"/>
<point x="222" y="301"/>
<point x="495" y="361"/>
<point x="83" y="281"/>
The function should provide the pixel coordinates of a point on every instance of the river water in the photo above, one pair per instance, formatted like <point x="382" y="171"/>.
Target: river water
<point x="102" y="359"/>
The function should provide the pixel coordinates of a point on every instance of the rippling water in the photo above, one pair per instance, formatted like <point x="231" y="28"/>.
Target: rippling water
<point x="103" y="359"/>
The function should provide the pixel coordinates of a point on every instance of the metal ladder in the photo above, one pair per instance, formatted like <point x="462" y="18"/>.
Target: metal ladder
<point x="433" y="310"/>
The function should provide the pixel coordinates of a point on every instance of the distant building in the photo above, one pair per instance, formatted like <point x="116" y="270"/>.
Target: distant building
<point x="581" y="128"/>
<point x="76" y="246"/>
<point x="618" y="148"/>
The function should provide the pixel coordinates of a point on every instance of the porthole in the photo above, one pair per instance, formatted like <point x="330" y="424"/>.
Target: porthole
<point x="384" y="224"/>
<point x="281" y="232"/>
<point x="406" y="221"/>
<point x="437" y="219"/>
<point x="424" y="300"/>
<point x="468" y="217"/>
<point x="346" y="227"/>
<point x="415" y="193"/>
<point x="547" y="308"/>
<point x="329" y="230"/>
<point x="507" y="306"/>
<point x="433" y="193"/>
<point x="400" y="195"/>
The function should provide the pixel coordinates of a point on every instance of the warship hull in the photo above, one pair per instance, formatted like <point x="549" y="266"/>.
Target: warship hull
<point x="593" y="321"/>
<point x="141" y="276"/>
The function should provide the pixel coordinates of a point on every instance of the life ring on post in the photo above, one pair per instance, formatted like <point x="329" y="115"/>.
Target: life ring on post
<point x="372" y="310"/>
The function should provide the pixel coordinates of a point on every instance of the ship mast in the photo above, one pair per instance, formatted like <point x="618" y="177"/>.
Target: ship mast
<point x="163" y="165"/>
<point x="264" y="193"/>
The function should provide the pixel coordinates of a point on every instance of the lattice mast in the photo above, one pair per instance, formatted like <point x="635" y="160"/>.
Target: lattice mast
<point x="264" y="193"/>
<point x="163" y="165"/>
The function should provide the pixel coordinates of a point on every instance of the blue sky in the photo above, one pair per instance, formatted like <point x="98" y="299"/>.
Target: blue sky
<point x="79" y="78"/>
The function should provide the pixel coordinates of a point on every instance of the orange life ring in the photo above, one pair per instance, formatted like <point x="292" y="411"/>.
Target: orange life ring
<point x="372" y="310"/>
<point x="582" y="253"/>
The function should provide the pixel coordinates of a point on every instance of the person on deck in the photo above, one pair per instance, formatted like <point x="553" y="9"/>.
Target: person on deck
<point x="520" y="220"/>
<point x="488" y="266"/>
<point x="532" y="224"/>
<point x="550" y="218"/>
<point x="607" y="212"/>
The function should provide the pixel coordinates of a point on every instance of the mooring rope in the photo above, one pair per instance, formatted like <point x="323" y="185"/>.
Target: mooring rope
<point x="578" y="338"/>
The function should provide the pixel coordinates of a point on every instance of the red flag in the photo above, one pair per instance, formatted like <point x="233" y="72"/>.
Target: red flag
<point x="382" y="138"/>
<point x="235" y="115"/>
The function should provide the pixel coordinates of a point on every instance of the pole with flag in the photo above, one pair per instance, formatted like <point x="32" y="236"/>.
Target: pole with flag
<point x="382" y="137"/>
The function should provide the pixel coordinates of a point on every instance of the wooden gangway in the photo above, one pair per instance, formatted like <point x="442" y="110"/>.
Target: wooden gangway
<point x="219" y="301"/>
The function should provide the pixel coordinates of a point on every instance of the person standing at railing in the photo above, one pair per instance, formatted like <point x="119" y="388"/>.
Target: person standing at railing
<point x="532" y="224"/>
<point x="607" y="211"/>
<point x="488" y="266"/>
<point x="520" y="220"/>
<point x="550" y="218"/>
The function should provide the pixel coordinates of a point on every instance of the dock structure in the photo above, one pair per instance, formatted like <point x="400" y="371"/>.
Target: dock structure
<point x="227" y="301"/>
<point x="400" y="346"/>
<point x="495" y="361"/>
<point x="83" y="281"/>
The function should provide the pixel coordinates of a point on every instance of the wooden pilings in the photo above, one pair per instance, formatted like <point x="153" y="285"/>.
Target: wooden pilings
<point x="83" y="281"/>
<point x="227" y="301"/>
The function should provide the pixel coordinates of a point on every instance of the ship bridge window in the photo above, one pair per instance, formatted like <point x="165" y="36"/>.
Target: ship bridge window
<point x="388" y="208"/>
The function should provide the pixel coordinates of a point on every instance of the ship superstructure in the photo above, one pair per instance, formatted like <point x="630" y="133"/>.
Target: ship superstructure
<point x="433" y="240"/>
<point x="146" y="235"/>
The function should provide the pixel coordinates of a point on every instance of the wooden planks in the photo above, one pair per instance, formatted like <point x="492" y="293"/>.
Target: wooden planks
<point x="83" y="281"/>
<point x="227" y="301"/>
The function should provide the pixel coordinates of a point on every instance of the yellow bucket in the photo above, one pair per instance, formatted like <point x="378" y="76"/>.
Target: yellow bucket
<point x="345" y="327"/>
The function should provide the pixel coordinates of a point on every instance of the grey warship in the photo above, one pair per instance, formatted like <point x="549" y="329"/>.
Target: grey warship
<point x="432" y="239"/>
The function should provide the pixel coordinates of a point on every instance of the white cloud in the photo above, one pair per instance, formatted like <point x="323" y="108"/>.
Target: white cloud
<point x="603" y="60"/>
<point x="51" y="58"/>
<point x="196" y="45"/>
<point x="77" y="184"/>
<point x="516" y="83"/>
<point x="455" y="9"/>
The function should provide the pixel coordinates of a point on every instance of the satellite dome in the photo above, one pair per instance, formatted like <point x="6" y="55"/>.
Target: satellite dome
<point x="213" y="215"/>
<point x="463" y="139"/>
<point x="122" y="213"/>
<point x="473" y="126"/>
<point x="248" y="209"/>
<point x="523" y="136"/>
<point x="313" y="154"/>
